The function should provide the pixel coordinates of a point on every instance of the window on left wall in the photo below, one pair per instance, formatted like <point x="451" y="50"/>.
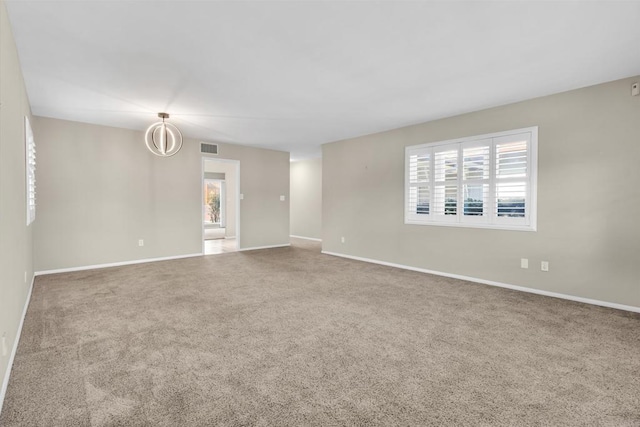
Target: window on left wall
<point x="30" y="156"/>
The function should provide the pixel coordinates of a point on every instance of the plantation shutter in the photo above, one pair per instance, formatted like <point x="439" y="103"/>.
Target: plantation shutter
<point x="445" y="189"/>
<point x="30" y="155"/>
<point x="418" y="188"/>
<point x="476" y="174"/>
<point x="511" y="178"/>
<point x="486" y="181"/>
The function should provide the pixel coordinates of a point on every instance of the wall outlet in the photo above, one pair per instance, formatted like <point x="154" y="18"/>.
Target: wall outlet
<point x="140" y="242"/>
<point x="342" y="239"/>
<point x="635" y="89"/>
<point x="241" y="196"/>
<point x="524" y="263"/>
<point x="25" y="277"/>
<point x="544" y="266"/>
<point x="282" y="198"/>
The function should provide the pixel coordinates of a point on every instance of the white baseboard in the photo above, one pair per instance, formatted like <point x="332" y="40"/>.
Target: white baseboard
<point x="305" y="238"/>
<point x="113" y="264"/>
<point x="492" y="283"/>
<point x="264" y="247"/>
<point x="5" y="382"/>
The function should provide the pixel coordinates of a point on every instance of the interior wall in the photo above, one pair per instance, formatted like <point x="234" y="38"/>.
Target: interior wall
<point x="306" y="198"/>
<point x="101" y="190"/>
<point x="16" y="243"/>
<point x="588" y="204"/>
<point x="231" y="182"/>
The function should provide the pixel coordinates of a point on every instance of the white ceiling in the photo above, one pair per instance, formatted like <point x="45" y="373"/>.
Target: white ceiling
<point x="293" y="75"/>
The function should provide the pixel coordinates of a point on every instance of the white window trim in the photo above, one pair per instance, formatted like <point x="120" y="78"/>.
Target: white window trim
<point x="532" y="188"/>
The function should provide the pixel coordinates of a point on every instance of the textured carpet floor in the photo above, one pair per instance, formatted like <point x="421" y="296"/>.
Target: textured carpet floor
<point x="290" y="337"/>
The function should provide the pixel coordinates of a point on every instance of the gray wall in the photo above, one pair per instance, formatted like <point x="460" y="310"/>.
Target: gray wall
<point x="306" y="198"/>
<point x="231" y="182"/>
<point x="16" y="246"/>
<point x="588" y="198"/>
<point x="100" y="190"/>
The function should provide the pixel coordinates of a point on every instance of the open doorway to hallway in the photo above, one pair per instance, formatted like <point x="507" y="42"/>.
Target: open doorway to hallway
<point x="220" y="206"/>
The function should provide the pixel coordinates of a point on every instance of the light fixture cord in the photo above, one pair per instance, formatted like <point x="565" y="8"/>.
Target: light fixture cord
<point x="163" y="141"/>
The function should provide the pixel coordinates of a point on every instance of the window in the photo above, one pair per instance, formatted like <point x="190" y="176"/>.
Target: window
<point x="212" y="193"/>
<point x="30" y="156"/>
<point x="482" y="181"/>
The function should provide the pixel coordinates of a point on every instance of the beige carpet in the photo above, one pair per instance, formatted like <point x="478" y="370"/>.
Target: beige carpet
<point x="290" y="337"/>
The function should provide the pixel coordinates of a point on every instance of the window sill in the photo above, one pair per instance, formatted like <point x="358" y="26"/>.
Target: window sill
<point x="482" y="226"/>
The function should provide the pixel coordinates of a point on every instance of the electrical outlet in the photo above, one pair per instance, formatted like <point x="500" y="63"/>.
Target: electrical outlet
<point x="524" y="263"/>
<point x="282" y="198"/>
<point x="342" y="239"/>
<point x="544" y="266"/>
<point x="25" y="277"/>
<point x="140" y="242"/>
<point x="241" y="196"/>
<point x="635" y="89"/>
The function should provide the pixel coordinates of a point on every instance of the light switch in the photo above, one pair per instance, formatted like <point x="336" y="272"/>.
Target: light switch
<point x="282" y="198"/>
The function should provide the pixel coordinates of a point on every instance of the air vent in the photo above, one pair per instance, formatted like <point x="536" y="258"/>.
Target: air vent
<point x="208" y="148"/>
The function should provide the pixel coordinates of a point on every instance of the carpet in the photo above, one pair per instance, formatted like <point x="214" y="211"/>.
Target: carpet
<point x="291" y="337"/>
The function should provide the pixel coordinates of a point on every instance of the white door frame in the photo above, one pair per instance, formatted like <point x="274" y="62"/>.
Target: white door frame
<point x="236" y="201"/>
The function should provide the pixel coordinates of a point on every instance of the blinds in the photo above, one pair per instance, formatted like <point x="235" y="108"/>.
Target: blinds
<point x="419" y="166"/>
<point x="479" y="180"/>
<point x="445" y="200"/>
<point x="30" y="155"/>
<point x="476" y="170"/>
<point x="512" y="158"/>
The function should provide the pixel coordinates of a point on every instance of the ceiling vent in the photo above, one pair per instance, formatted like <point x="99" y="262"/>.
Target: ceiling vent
<point x="208" y="148"/>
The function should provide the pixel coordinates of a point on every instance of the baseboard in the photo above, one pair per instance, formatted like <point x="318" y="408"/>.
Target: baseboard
<point x="264" y="247"/>
<point x="113" y="264"/>
<point x="5" y="382"/>
<point x="305" y="238"/>
<point x="492" y="283"/>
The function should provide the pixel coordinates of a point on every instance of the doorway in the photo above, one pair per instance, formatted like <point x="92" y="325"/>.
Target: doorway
<point x="220" y="206"/>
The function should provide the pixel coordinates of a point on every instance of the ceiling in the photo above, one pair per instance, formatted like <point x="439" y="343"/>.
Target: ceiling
<point x="293" y="75"/>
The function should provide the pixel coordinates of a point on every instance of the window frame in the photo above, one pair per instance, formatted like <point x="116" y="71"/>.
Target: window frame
<point x="491" y="220"/>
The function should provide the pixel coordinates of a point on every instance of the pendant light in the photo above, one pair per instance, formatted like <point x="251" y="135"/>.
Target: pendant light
<point x="163" y="139"/>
